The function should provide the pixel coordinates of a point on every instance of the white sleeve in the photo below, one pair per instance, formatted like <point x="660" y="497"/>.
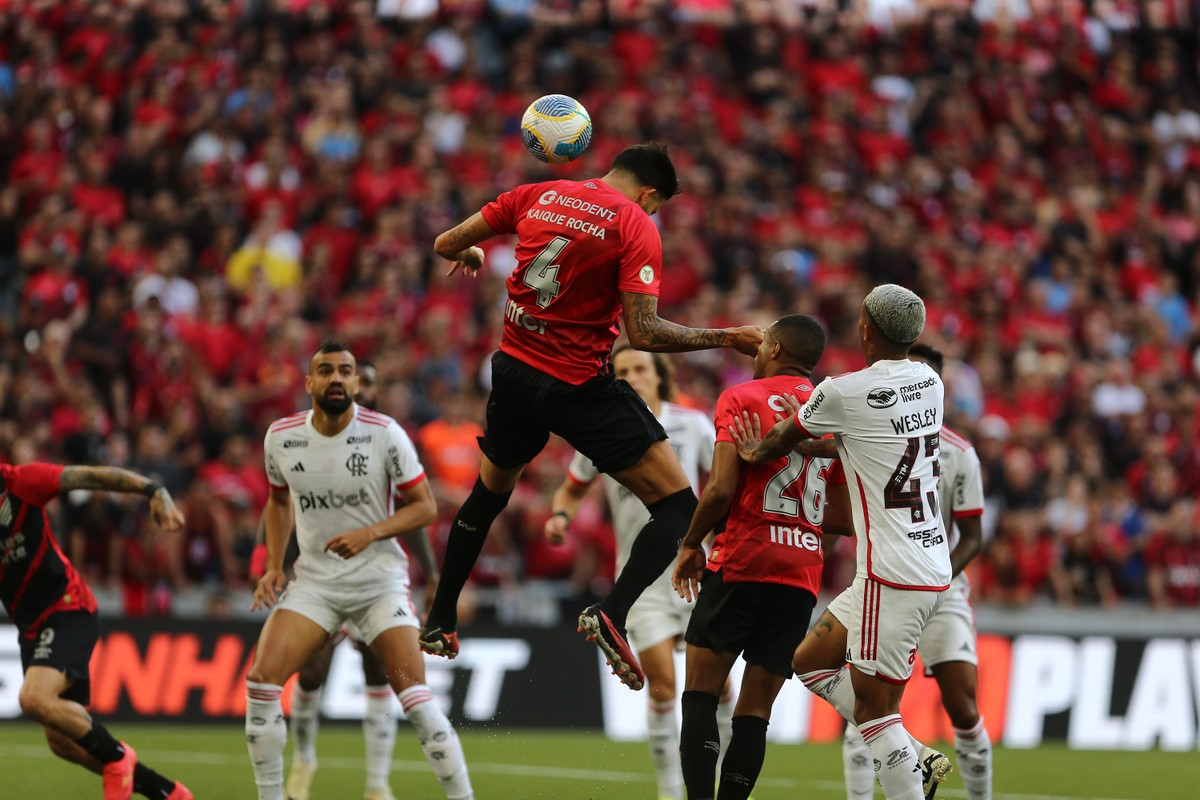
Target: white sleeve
<point x="274" y="474"/>
<point x="825" y="411"/>
<point x="403" y="466"/>
<point x="968" y="490"/>
<point x="581" y="469"/>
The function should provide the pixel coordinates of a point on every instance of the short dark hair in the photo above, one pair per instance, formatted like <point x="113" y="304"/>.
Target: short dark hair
<point x="801" y="338"/>
<point x="333" y="346"/>
<point x="666" y="373"/>
<point x="932" y="356"/>
<point x="650" y="166"/>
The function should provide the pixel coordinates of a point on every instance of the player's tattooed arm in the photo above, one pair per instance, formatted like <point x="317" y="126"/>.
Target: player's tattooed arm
<point x="648" y="331"/>
<point x="115" y="479"/>
<point x="458" y="243"/>
<point x="107" y="479"/>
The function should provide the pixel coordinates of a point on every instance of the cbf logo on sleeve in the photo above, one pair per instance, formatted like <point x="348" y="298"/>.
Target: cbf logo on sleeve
<point x="647" y="274"/>
<point x="882" y="397"/>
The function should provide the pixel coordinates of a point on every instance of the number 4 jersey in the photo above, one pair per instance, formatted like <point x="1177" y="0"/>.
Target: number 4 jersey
<point x="579" y="245"/>
<point x="887" y="419"/>
<point x="773" y="534"/>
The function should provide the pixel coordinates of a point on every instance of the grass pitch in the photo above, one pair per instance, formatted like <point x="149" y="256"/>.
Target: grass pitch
<point x="564" y="765"/>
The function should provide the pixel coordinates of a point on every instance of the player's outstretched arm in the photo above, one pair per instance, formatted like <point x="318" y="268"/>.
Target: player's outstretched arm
<point x="565" y="504"/>
<point x="115" y="479"/>
<point x="714" y="505"/>
<point x="458" y="244"/>
<point x="648" y="331"/>
<point x="752" y="446"/>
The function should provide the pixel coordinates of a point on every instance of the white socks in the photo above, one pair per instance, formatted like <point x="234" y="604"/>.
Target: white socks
<point x="379" y="732"/>
<point x="836" y="688"/>
<point x="266" y="736"/>
<point x="440" y="743"/>
<point x="857" y="765"/>
<point x="725" y="718"/>
<point x="662" y="734"/>
<point x="974" y="748"/>
<point x="306" y="715"/>
<point x="899" y="771"/>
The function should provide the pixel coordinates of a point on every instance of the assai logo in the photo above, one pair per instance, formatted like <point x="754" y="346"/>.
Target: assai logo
<point x="881" y="397"/>
<point x="290" y="443"/>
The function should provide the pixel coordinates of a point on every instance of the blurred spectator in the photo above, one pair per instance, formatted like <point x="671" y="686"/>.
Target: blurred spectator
<point x="1173" y="559"/>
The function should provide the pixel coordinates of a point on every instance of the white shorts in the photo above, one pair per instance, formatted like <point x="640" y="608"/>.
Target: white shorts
<point x="883" y="626"/>
<point x="658" y="615"/>
<point x="371" y="613"/>
<point x="950" y="633"/>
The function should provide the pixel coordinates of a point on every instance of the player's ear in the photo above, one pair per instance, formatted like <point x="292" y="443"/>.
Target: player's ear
<point x="308" y="384"/>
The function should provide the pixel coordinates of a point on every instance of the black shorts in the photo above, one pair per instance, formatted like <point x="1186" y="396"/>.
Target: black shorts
<point x="65" y="643"/>
<point x="763" y="621"/>
<point x="603" y="418"/>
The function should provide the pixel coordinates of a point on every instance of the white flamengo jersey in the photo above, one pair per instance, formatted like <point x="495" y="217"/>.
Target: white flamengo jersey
<point x="887" y="419"/>
<point x="960" y="489"/>
<point x="339" y="483"/>
<point x="692" y="435"/>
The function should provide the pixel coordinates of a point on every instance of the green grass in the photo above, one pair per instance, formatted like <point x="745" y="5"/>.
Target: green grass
<point x="212" y="760"/>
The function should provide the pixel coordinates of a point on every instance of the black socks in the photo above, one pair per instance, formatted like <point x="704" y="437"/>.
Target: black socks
<point x="467" y="536"/>
<point x="100" y="744"/>
<point x="699" y="744"/>
<point x="653" y="551"/>
<point x="744" y="758"/>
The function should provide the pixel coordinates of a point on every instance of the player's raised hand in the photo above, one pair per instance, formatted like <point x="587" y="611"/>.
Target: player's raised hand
<point x="471" y="261"/>
<point x="745" y="339"/>
<point x="746" y="431"/>
<point x="164" y="513"/>
<point x="350" y="543"/>
<point x="689" y="569"/>
<point x="556" y="528"/>
<point x="268" y="589"/>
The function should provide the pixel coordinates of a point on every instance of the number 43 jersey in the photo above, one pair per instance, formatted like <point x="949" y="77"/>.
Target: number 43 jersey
<point x="773" y="534"/>
<point x="887" y="419"/>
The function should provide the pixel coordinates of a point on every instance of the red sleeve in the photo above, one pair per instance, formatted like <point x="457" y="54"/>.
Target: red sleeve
<point x="502" y="213"/>
<point x="729" y="405"/>
<point x="34" y="483"/>
<point x="641" y="254"/>
<point x="837" y="474"/>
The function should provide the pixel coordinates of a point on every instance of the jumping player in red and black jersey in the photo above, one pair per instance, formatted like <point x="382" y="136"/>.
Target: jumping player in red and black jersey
<point x="55" y="613"/>
<point x="588" y="257"/>
<point x="762" y="578"/>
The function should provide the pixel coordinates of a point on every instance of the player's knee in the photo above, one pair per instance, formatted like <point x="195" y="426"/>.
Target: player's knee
<point x="35" y="703"/>
<point x="962" y="710"/>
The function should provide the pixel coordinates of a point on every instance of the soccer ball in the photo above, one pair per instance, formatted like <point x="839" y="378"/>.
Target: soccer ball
<point x="556" y="128"/>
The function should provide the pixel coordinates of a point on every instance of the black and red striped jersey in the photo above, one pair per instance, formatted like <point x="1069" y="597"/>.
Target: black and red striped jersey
<point x="36" y="579"/>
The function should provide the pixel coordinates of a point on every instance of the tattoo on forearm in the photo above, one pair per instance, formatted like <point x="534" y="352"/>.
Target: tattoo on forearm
<point x="645" y="326"/>
<point x="459" y="237"/>
<point x="108" y="479"/>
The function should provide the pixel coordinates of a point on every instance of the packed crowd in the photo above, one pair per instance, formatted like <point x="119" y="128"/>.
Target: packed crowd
<point x="196" y="193"/>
